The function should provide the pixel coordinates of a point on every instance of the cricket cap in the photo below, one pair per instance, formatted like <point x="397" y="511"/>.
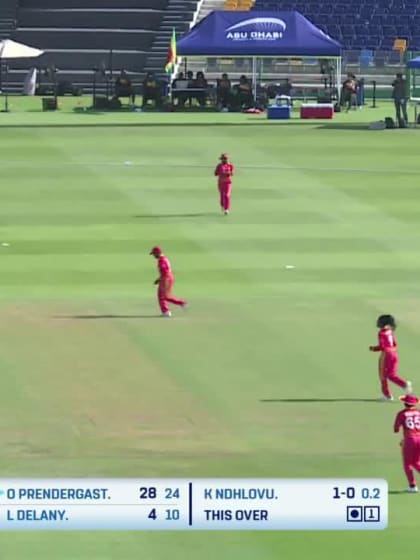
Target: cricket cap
<point x="411" y="400"/>
<point x="156" y="250"/>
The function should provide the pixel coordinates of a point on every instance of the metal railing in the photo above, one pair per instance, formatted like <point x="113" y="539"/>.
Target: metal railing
<point x="373" y="66"/>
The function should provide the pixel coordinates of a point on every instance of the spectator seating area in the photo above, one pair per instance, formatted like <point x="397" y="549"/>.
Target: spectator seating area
<point x="359" y="24"/>
<point x="7" y="18"/>
<point x="242" y="5"/>
<point x="80" y="35"/>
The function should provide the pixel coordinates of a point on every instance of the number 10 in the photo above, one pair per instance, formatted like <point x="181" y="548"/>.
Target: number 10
<point x="172" y="514"/>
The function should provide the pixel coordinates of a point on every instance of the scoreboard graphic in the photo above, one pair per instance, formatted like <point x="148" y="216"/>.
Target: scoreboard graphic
<point x="195" y="504"/>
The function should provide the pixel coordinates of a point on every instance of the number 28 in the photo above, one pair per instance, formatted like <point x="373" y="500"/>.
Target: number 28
<point x="147" y="493"/>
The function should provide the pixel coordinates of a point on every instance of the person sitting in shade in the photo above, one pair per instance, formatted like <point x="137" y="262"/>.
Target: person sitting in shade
<point x="151" y="90"/>
<point x="181" y="84"/>
<point x="190" y="84"/>
<point x="124" y="87"/>
<point x="200" y="82"/>
<point x="223" y="92"/>
<point x="244" y="92"/>
<point x="286" y="88"/>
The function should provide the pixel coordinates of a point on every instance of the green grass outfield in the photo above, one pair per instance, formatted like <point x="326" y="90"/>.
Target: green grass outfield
<point x="136" y="396"/>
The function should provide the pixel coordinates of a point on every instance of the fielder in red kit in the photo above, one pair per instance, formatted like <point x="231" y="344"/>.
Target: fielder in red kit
<point x="224" y="172"/>
<point x="388" y="359"/>
<point x="165" y="283"/>
<point x="409" y="420"/>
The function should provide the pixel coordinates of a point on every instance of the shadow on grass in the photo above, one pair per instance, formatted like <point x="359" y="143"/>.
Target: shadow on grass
<point x="162" y="123"/>
<point x="108" y="316"/>
<point x="131" y="125"/>
<point x="343" y="126"/>
<point x="160" y="216"/>
<point x="317" y="400"/>
<point x="58" y="112"/>
<point x="397" y="492"/>
<point x="349" y="126"/>
<point x="247" y="120"/>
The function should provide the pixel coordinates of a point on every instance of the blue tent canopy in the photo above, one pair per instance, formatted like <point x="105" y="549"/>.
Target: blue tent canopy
<point x="255" y="34"/>
<point x="414" y="62"/>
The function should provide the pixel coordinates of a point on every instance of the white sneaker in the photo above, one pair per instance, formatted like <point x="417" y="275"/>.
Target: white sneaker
<point x="412" y="490"/>
<point x="387" y="399"/>
<point x="167" y="314"/>
<point x="409" y="388"/>
<point x="226" y="212"/>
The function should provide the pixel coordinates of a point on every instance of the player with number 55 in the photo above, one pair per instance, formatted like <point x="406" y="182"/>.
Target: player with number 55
<point x="409" y="420"/>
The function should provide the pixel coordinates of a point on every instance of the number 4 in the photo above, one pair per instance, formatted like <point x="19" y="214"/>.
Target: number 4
<point x="152" y="514"/>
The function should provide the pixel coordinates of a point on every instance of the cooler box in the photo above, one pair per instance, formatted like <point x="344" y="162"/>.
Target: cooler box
<point x="316" y="111"/>
<point x="279" y="112"/>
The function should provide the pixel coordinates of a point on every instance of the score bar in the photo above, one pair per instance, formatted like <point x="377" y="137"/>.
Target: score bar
<point x="194" y="504"/>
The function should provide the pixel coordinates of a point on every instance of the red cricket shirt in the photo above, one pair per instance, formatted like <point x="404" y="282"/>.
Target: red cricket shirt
<point x="409" y="420"/>
<point x="387" y="341"/>
<point x="164" y="267"/>
<point x="224" y="172"/>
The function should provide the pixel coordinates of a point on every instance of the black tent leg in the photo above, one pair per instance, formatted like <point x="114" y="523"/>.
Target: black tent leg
<point x="374" y="95"/>
<point x="6" y="95"/>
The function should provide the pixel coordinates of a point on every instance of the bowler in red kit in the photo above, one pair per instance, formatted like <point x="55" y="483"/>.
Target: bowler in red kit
<point x="165" y="283"/>
<point x="409" y="420"/>
<point x="224" y="172"/>
<point x="388" y="358"/>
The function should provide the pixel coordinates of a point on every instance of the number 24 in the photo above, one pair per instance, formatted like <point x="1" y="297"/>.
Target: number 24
<point x="171" y="493"/>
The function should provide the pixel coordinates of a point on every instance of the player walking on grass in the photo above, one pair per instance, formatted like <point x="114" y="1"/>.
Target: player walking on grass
<point x="165" y="283"/>
<point x="224" y="172"/>
<point x="409" y="420"/>
<point x="388" y="359"/>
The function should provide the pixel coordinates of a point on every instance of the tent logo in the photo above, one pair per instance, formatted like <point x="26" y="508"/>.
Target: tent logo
<point x="257" y="29"/>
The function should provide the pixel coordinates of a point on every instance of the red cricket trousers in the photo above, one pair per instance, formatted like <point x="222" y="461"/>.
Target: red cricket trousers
<point x="225" y="190"/>
<point x="388" y="371"/>
<point x="165" y="294"/>
<point x="411" y="458"/>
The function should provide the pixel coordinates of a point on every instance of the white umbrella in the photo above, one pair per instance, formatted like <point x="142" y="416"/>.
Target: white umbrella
<point x="11" y="49"/>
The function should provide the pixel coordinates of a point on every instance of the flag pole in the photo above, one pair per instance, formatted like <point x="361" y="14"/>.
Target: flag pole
<point x="171" y="60"/>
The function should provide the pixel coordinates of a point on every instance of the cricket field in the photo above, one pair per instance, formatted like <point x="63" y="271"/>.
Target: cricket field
<point x="267" y="374"/>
